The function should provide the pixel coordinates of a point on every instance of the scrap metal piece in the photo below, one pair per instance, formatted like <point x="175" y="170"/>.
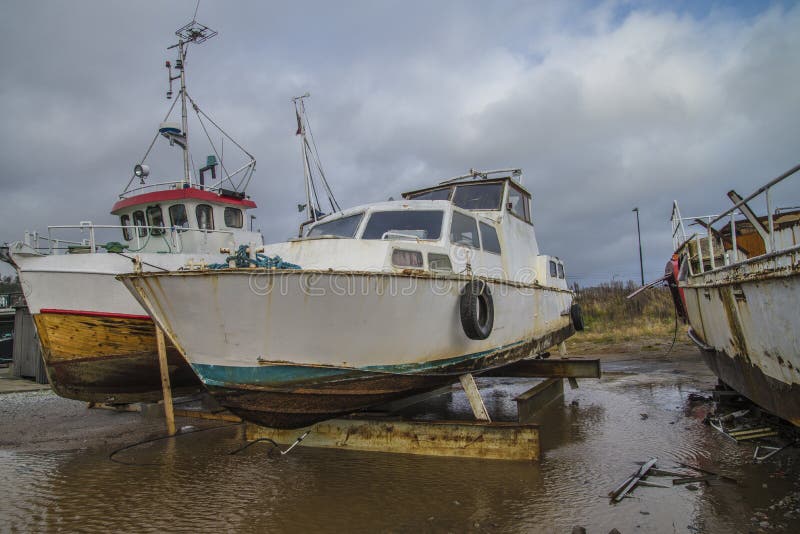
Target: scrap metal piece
<point x="623" y="489"/>
<point x="773" y="451"/>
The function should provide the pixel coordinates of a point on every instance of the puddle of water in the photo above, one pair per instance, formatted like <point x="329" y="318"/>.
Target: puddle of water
<point x="591" y="441"/>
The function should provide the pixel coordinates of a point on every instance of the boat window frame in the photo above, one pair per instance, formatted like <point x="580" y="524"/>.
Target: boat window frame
<point x="553" y="269"/>
<point x="448" y="188"/>
<point x="359" y="214"/>
<point x="210" y="213"/>
<point x="526" y="202"/>
<point x="179" y="228"/>
<point x="154" y="230"/>
<point x="499" y="251"/>
<point x="475" y="184"/>
<point x="141" y="224"/>
<point x="231" y="209"/>
<point x="561" y="274"/>
<point x="477" y="246"/>
<point x="372" y="213"/>
<point x="125" y="222"/>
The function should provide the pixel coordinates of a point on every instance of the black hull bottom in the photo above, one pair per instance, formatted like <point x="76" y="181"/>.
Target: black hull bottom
<point x="777" y="397"/>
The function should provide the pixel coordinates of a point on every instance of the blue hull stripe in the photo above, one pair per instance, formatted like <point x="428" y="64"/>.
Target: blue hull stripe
<point x="281" y="374"/>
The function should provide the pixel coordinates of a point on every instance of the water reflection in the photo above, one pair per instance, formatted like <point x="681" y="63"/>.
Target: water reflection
<point x="591" y="440"/>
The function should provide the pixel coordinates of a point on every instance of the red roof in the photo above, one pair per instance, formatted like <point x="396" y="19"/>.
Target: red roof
<point x="178" y="194"/>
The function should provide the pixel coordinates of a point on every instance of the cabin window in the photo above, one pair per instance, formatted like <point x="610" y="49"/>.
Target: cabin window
<point x="155" y="218"/>
<point x="178" y="217"/>
<point x="553" y="269"/>
<point x="436" y="194"/>
<point x="406" y="224"/>
<point x="479" y="196"/>
<point x="342" y="227"/>
<point x="205" y="217"/>
<point x="518" y="204"/>
<point x="440" y="263"/>
<point x="489" y="238"/>
<point x="464" y="230"/>
<point x="561" y="270"/>
<point x="234" y="218"/>
<point x="125" y="221"/>
<point x="138" y="220"/>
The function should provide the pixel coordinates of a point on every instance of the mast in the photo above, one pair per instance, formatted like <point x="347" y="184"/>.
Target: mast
<point x="184" y="117"/>
<point x="310" y="157"/>
<point x="300" y="111"/>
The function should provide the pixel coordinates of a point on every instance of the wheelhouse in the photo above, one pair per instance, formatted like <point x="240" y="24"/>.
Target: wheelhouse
<point x="185" y="219"/>
<point x="482" y="227"/>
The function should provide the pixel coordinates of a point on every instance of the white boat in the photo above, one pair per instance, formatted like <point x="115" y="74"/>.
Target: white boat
<point x="98" y="343"/>
<point x="737" y="283"/>
<point x="391" y="299"/>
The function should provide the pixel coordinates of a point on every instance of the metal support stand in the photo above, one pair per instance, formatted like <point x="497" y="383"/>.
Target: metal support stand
<point x="162" y="362"/>
<point x="474" y="397"/>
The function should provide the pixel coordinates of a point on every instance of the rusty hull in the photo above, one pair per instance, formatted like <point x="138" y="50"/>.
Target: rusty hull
<point x="746" y="316"/>
<point x="108" y="359"/>
<point x="358" y="390"/>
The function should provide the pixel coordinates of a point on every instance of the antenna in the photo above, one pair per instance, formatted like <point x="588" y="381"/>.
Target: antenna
<point x="196" y="33"/>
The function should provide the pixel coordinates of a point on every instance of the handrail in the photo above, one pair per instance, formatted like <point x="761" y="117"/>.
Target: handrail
<point x="173" y="185"/>
<point x="741" y="206"/>
<point x="87" y="225"/>
<point x="758" y="191"/>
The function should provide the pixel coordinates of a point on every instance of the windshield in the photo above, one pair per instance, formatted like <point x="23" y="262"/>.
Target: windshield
<point x="423" y="224"/>
<point x="478" y="196"/>
<point x="344" y="227"/>
<point x="436" y="194"/>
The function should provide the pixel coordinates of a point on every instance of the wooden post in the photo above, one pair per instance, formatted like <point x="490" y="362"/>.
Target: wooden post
<point x="474" y="397"/>
<point x="162" y="362"/>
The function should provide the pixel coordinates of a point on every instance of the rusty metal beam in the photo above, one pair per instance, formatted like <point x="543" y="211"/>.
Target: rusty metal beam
<point x="550" y="368"/>
<point x="539" y="396"/>
<point x="465" y="439"/>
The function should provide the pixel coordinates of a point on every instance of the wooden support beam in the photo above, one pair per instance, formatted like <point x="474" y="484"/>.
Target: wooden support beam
<point x="549" y="368"/>
<point x="465" y="439"/>
<point x="165" y="387"/>
<point x="474" y="397"/>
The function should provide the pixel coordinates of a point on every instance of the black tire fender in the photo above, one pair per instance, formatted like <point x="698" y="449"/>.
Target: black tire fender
<point x="577" y="317"/>
<point x="477" y="309"/>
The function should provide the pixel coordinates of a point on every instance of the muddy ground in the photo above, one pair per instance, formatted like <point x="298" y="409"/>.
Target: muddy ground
<point x="55" y="471"/>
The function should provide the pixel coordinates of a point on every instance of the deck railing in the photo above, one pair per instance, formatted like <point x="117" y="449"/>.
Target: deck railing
<point x="174" y="243"/>
<point x="681" y="239"/>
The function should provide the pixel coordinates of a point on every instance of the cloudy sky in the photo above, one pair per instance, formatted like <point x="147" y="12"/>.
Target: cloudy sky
<point x="605" y="105"/>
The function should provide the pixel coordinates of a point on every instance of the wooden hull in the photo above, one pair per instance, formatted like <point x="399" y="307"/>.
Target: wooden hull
<point x="94" y="357"/>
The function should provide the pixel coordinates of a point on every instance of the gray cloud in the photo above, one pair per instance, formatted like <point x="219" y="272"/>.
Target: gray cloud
<point x="606" y="106"/>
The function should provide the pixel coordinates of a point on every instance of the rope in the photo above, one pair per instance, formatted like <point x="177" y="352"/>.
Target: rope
<point x="160" y="438"/>
<point x="243" y="260"/>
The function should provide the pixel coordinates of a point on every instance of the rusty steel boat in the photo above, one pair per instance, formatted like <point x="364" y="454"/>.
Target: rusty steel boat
<point x="737" y="283"/>
<point x="98" y="343"/>
<point x="388" y="300"/>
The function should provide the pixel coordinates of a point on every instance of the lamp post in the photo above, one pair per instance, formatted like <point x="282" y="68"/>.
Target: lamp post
<point x="639" y="233"/>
